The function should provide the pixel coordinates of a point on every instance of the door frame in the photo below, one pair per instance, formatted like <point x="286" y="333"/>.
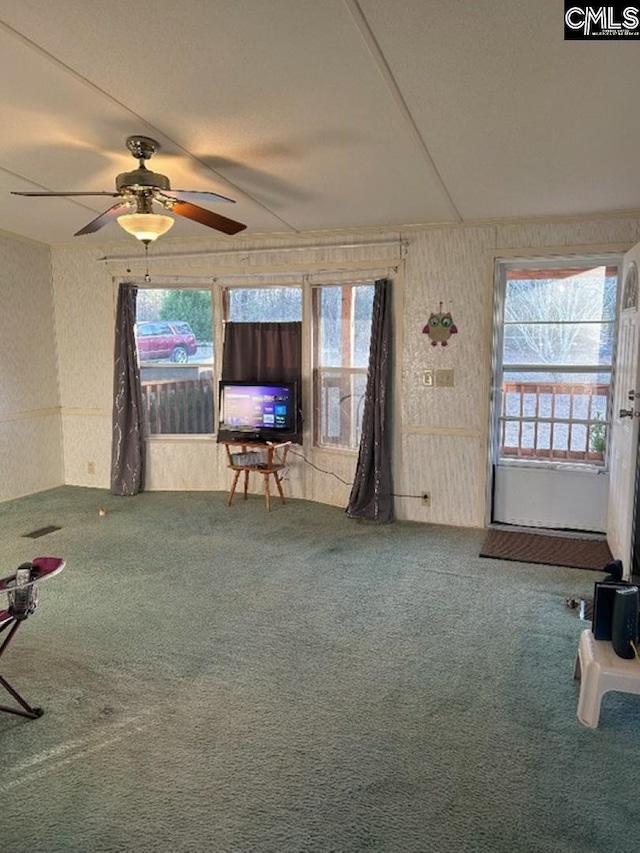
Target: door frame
<point x="549" y="257"/>
<point x="624" y="547"/>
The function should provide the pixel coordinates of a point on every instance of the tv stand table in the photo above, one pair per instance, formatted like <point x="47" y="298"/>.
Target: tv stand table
<point x="245" y="457"/>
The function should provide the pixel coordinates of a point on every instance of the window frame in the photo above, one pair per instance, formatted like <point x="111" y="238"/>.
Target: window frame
<point x="201" y="366"/>
<point x="584" y="459"/>
<point x="277" y="285"/>
<point x="345" y="375"/>
<point x="219" y="289"/>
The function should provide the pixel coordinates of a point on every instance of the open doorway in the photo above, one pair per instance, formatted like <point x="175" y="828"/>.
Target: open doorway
<point x="552" y="379"/>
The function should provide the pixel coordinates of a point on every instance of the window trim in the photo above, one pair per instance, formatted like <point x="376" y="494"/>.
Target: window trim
<point x="318" y="370"/>
<point x="199" y="366"/>
<point x="226" y="301"/>
<point x="502" y="265"/>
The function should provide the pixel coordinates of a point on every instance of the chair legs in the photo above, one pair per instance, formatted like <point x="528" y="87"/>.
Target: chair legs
<point x="267" y="491"/>
<point x="279" y="485"/>
<point x="27" y="710"/>
<point x="233" y="487"/>
<point x="234" y="484"/>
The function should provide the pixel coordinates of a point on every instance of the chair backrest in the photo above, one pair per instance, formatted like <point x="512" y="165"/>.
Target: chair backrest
<point x="21" y="589"/>
<point x="23" y="595"/>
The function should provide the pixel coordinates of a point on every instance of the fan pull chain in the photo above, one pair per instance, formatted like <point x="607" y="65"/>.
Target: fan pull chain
<point x="147" y="277"/>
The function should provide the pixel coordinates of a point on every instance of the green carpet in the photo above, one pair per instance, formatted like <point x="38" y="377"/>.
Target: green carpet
<point x="231" y="680"/>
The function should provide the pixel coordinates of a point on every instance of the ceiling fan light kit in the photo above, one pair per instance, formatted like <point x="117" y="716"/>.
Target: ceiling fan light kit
<point x="145" y="227"/>
<point x="139" y="189"/>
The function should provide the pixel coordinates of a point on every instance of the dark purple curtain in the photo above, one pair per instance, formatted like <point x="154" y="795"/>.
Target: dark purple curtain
<point x="127" y="446"/>
<point x="372" y="492"/>
<point x="266" y="352"/>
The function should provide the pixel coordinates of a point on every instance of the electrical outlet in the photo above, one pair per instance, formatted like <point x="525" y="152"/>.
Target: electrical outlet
<point x="91" y="467"/>
<point x="426" y="499"/>
<point x="427" y="378"/>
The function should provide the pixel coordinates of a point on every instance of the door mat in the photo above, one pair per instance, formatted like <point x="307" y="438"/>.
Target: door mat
<point x="575" y="553"/>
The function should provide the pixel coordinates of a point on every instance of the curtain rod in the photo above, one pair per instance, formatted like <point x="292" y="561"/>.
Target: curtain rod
<point x="306" y="274"/>
<point x="211" y="252"/>
<point x="298" y="274"/>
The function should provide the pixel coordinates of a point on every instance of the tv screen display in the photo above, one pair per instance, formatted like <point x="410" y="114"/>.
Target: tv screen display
<point x="261" y="409"/>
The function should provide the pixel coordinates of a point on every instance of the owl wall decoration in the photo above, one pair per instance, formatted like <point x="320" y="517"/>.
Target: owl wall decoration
<point x="440" y="327"/>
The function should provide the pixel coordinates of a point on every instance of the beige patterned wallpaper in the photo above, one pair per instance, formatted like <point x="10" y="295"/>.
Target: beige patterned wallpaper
<point x="30" y="430"/>
<point x="440" y="434"/>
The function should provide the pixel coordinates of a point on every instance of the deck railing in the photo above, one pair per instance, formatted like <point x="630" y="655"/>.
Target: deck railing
<point x="539" y="420"/>
<point x="554" y="420"/>
<point x="178" y="406"/>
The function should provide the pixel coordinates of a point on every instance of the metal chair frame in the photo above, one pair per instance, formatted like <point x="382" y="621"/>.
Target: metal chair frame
<point x="22" y="593"/>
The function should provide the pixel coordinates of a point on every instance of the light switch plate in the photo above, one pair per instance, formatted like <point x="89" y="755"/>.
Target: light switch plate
<point x="444" y="378"/>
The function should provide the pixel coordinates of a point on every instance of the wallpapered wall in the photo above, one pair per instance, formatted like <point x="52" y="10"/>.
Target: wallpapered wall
<point x="440" y="433"/>
<point x="30" y="429"/>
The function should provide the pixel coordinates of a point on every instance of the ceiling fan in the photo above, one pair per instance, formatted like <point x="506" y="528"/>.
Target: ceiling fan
<point x="139" y="189"/>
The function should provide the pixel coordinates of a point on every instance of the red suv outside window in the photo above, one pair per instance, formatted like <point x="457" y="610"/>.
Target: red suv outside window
<point x="172" y="339"/>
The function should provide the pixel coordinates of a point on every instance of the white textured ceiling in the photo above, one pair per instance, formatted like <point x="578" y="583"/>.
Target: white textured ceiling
<point x="315" y="114"/>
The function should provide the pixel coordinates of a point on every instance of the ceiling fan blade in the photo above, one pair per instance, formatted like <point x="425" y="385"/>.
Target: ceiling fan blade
<point x="186" y="195"/>
<point x="99" y="192"/>
<point x="104" y="219"/>
<point x="207" y="217"/>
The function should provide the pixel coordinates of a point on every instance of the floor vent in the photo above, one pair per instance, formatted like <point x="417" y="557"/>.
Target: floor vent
<point x="36" y="534"/>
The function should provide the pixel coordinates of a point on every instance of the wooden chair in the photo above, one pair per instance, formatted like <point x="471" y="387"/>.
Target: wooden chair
<point x="270" y="460"/>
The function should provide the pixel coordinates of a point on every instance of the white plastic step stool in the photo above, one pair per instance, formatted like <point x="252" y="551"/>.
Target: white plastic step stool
<point x="600" y="670"/>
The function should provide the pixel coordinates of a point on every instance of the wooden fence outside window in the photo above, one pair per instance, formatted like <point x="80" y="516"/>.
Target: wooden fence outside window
<point x="183" y="406"/>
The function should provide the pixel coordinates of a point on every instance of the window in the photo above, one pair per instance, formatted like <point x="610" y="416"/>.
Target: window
<point x="263" y="340"/>
<point x="174" y="340"/>
<point x="263" y="304"/>
<point x="556" y="353"/>
<point x="342" y="333"/>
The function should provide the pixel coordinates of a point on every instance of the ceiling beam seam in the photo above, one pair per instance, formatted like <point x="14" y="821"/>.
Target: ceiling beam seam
<point x="387" y="75"/>
<point x="33" y="183"/>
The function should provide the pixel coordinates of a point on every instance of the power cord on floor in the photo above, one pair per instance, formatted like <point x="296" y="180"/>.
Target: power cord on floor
<point x="635" y="649"/>
<point x="333" y="474"/>
<point x="321" y="470"/>
<point x="396" y="495"/>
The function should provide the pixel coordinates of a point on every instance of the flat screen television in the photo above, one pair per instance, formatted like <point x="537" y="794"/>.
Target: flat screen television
<point x="257" y="411"/>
